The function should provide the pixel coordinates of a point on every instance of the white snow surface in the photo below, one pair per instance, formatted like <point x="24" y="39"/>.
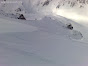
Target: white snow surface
<point x="43" y="39"/>
<point x="45" y="42"/>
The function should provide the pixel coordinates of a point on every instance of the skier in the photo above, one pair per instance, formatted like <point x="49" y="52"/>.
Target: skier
<point x="69" y="26"/>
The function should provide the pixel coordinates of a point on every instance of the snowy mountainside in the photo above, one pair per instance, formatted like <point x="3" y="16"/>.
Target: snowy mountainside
<point x="66" y="8"/>
<point x="46" y="7"/>
<point x="58" y="4"/>
<point x="44" y="39"/>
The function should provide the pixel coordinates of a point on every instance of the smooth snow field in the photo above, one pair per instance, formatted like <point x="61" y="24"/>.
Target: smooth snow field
<point x="45" y="42"/>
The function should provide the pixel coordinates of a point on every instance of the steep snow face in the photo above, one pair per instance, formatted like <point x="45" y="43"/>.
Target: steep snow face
<point x="68" y="4"/>
<point x="72" y="9"/>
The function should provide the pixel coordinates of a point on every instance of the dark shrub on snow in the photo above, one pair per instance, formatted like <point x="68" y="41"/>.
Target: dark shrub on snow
<point x="46" y="3"/>
<point x="22" y="17"/>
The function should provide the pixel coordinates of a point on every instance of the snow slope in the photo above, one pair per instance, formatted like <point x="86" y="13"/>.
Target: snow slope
<point x="43" y="39"/>
<point x="45" y="42"/>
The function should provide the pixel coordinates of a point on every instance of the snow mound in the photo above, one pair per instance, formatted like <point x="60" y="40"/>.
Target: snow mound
<point x="76" y="35"/>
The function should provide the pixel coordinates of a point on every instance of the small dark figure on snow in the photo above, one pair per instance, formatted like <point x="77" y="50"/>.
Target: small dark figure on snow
<point x="69" y="26"/>
<point x="21" y="17"/>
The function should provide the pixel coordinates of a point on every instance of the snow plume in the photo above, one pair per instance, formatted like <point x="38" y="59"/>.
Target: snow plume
<point x="73" y="9"/>
<point x="75" y="14"/>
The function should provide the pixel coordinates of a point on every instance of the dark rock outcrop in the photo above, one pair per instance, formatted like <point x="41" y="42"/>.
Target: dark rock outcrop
<point x="22" y="17"/>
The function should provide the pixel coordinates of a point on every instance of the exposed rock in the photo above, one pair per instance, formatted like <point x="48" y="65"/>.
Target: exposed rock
<point x="46" y="2"/>
<point x="22" y="17"/>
